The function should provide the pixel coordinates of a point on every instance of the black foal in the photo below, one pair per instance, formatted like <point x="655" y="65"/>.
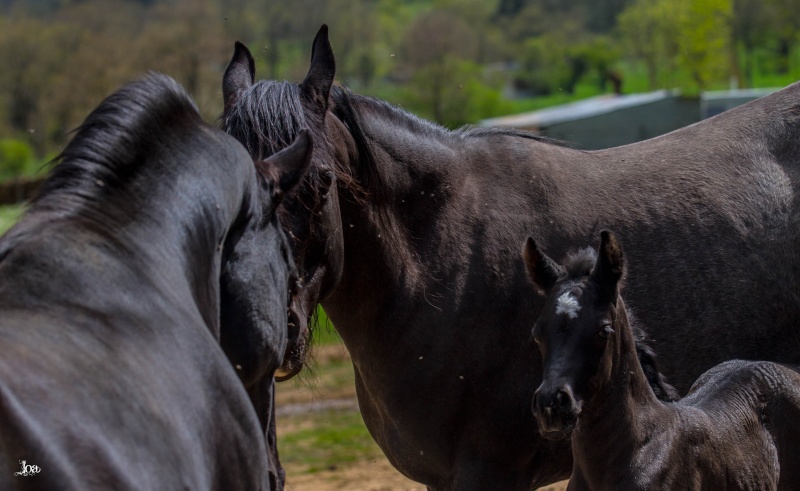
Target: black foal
<point x="738" y="428"/>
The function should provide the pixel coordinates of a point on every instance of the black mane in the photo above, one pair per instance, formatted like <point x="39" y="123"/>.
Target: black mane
<point x="267" y="118"/>
<point x="350" y="108"/>
<point x="269" y="115"/>
<point x="107" y="148"/>
<point x="355" y="103"/>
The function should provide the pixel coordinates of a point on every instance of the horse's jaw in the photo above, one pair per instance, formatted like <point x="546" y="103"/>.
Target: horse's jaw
<point x="302" y="308"/>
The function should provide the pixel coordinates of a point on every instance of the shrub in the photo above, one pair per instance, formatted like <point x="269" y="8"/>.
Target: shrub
<point x="16" y="159"/>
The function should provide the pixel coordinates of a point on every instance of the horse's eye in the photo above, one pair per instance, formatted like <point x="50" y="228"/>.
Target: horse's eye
<point x="606" y="331"/>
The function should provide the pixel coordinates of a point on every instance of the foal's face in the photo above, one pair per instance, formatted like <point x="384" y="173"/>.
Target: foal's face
<point x="572" y="334"/>
<point x="575" y="330"/>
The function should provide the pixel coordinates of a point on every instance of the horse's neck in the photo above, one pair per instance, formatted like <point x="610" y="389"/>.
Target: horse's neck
<point x="414" y="173"/>
<point x="617" y="419"/>
<point x="165" y="237"/>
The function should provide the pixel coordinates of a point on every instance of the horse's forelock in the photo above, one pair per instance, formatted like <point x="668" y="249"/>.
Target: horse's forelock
<point x="266" y="118"/>
<point x="580" y="263"/>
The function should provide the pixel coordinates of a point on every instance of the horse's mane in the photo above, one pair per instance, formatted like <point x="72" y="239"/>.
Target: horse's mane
<point x="267" y="118"/>
<point x="350" y="108"/>
<point x="270" y="114"/>
<point x="358" y="103"/>
<point x="108" y="147"/>
<point x="579" y="264"/>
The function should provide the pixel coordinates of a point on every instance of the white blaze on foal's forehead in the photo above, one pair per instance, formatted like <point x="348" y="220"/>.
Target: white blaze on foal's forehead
<point x="568" y="304"/>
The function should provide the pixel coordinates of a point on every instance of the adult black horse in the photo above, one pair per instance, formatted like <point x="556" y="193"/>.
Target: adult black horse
<point x="411" y="242"/>
<point x="154" y="239"/>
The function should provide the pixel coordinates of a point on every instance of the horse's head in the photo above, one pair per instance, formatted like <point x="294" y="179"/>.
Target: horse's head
<point x="265" y="116"/>
<point x="576" y="330"/>
<point x="257" y="268"/>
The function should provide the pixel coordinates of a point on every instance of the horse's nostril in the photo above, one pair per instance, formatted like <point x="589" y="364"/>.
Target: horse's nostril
<point x="563" y="398"/>
<point x="540" y="406"/>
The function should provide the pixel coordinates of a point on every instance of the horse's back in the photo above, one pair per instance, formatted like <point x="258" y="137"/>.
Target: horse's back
<point x="756" y="400"/>
<point x="760" y="380"/>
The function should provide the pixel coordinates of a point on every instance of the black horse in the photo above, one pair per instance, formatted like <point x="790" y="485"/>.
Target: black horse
<point x="408" y="234"/>
<point x="154" y="239"/>
<point x="738" y="429"/>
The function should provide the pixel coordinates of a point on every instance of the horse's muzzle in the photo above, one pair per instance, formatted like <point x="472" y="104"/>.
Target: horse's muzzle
<point x="296" y="347"/>
<point x="556" y="412"/>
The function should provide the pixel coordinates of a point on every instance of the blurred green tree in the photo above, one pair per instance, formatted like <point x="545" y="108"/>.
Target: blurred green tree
<point x="16" y="159"/>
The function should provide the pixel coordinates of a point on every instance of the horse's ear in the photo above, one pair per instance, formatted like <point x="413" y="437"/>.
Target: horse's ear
<point x="289" y="165"/>
<point x="610" y="264"/>
<point x="239" y="75"/>
<point x="319" y="79"/>
<point x="542" y="270"/>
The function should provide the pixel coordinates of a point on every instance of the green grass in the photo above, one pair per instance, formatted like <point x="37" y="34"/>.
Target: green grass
<point x="323" y="331"/>
<point x="8" y="216"/>
<point x="325" y="440"/>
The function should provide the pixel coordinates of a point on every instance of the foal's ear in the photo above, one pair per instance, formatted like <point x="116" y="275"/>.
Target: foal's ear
<point x="542" y="270"/>
<point x="289" y="165"/>
<point x="610" y="264"/>
<point x="319" y="79"/>
<point x="240" y="74"/>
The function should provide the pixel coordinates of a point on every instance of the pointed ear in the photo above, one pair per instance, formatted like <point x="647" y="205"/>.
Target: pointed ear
<point x="289" y="165"/>
<point x="542" y="270"/>
<point x="240" y="74"/>
<point x="610" y="265"/>
<point x="318" y="82"/>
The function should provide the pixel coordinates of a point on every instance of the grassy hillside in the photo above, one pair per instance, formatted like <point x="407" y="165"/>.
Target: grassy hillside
<point x="8" y="216"/>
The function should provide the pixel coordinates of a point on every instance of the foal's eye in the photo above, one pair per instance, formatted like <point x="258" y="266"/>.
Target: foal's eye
<point x="606" y="331"/>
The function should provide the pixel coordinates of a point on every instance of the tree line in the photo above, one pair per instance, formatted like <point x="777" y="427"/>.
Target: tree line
<point x="453" y="61"/>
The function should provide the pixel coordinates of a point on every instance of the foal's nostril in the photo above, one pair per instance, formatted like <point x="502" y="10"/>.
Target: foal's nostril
<point x="540" y="405"/>
<point x="563" y="398"/>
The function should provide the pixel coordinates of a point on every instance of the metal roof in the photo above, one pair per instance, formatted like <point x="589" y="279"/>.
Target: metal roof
<point x="607" y="103"/>
<point x="738" y="93"/>
<point x="584" y="108"/>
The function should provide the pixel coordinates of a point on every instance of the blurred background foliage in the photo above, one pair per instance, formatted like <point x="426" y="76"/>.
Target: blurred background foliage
<point x="452" y="61"/>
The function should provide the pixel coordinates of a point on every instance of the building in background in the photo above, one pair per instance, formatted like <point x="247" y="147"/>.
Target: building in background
<point x="611" y="120"/>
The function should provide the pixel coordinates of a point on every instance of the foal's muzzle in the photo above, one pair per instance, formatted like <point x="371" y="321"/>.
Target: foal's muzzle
<point x="556" y="411"/>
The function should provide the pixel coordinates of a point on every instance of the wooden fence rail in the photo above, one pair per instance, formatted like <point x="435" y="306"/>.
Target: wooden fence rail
<point x="18" y="190"/>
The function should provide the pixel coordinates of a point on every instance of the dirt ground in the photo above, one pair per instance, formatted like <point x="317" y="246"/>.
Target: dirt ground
<point x="377" y="475"/>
